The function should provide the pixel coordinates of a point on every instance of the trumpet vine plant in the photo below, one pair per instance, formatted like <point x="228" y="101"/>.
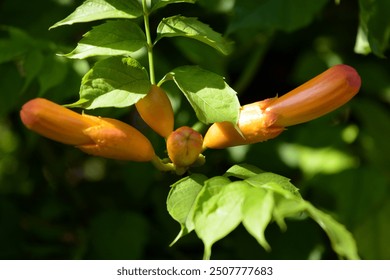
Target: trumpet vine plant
<point x="211" y="207"/>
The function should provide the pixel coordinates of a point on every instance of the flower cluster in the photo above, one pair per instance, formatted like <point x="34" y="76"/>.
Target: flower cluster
<point x="258" y="122"/>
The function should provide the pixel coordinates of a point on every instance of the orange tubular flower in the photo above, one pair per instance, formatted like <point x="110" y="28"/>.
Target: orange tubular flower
<point x="97" y="136"/>
<point x="266" y="119"/>
<point x="254" y="124"/>
<point x="156" y="110"/>
<point x="317" y="97"/>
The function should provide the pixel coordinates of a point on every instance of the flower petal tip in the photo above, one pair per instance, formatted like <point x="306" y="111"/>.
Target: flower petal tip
<point x="352" y="76"/>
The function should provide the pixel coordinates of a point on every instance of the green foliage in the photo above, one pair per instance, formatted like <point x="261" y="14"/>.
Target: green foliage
<point x="192" y="28"/>
<point x="110" y="38"/>
<point x="211" y="97"/>
<point x="58" y="203"/>
<point x="374" y="29"/>
<point x="111" y="84"/>
<point x="216" y="206"/>
<point x="114" y="82"/>
<point x="92" y="10"/>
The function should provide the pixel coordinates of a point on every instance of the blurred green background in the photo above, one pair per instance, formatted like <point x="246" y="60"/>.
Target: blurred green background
<point x="58" y="203"/>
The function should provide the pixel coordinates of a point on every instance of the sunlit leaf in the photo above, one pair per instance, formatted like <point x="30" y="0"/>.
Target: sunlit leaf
<point x="209" y="95"/>
<point x="243" y="171"/>
<point x="287" y="208"/>
<point x="181" y="201"/>
<point x="92" y="10"/>
<point x="341" y="239"/>
<point x="114" y="82"/>
<point x="275" y="183"/>
<point x="110" y="38"/>
<point x="194" y="29"/>
<point x="218" y="210"/>
<point x="257" y="213"/>
<point x="214" y="207"/>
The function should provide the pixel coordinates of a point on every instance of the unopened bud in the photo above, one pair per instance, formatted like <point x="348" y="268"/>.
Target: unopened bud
<point x="184" y="146"/>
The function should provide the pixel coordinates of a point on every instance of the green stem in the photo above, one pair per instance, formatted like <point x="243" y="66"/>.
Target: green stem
<point x="261" y="46"/>
<point x="149" y="42"/>
<point x="162" y="166"/>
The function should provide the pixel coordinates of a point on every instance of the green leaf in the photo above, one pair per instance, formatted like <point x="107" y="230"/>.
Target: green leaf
<point x="257" y="213"/>
<point x="215" y="207"/>
<point x="362" y="46"/>
<point x="53" y="72"/>
<point x="218" y="210"/>
<point x="113" y="82"/>
<point x="341" y="239"/>
<point x="287" y="208"/>
<point x="181" y="200"/>
<point x="275" y="183"/>
<point x="10" y="49"/>
<point x="198" y="53"/>
<point x="158" y="4"/>
<point x="32" y="66"/>
<point x="374" y="27"/>
<point x="193" y="28"/>
<point x="18" y="43"/>
<point x="209" y="95"/>
<point x="269" y="15"/>
<point x="110" y="38"/>
<point x="243" y="171"/>
<point x="92" y="10"/>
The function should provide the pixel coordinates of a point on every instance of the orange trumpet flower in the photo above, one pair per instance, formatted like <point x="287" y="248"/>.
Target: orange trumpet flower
<point x="266" y="119"/>
<point x="97" y="136"/>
